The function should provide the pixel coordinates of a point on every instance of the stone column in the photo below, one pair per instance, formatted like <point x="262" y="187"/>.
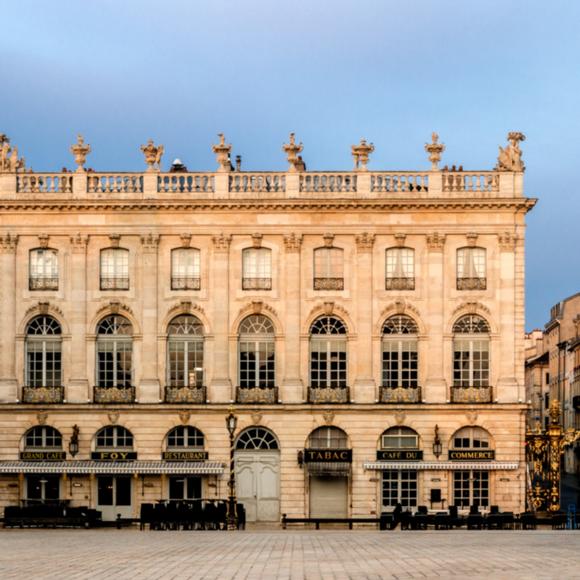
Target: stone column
<point x="292" y="387"/>
<point x="220" y="390"/>
<point x="78" y="386"/>
<point x="435" y="385"/>
<point x="364" y="385"/>
<point x="8" y="382"/>
<point x="149" y="386"/>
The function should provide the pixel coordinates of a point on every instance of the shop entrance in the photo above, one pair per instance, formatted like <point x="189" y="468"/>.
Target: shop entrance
<point x="42" y="487"/>
<point x="328" y="497"/>
<point x="184" y="487"/>
<point x="114" y="496"/>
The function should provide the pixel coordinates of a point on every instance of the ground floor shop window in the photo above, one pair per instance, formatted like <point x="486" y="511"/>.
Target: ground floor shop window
<point x="42" y="487"/>
<point x="471" y="488"/>
<point x="399" y="486"/>
<point x="184" y="488"/>
<point x="114" y="491"/>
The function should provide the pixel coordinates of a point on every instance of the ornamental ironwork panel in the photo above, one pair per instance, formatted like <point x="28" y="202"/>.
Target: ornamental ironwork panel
<point x="43" y="283"/>
<point x="471" y="283"/>
<point x="400" y="395"/>
<point x="185" y="283"/>
<point x="328" y="395"/>
<point x="471" y="394"/>
<point x="329" y="283"/>
<point x="399" y="283"/>
<point x="114" y="283"/>
<point x="42" y="394"/>
<point x="256" y="283"/>
<point x="114" y="394"/>
<point x="194" y="395"/>
<point x="267" y="395"/>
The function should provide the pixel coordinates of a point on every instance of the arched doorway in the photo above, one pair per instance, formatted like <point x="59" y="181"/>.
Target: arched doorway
<point x="257" y="460"/>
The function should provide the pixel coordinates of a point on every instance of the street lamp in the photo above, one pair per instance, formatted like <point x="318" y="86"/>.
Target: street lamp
<point x="437" y="446"/>
<point x="231" y="424"/>
<point x="73" y="445"/>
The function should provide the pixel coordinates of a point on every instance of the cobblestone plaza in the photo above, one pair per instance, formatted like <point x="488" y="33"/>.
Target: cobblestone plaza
<point x="122" y="554"/>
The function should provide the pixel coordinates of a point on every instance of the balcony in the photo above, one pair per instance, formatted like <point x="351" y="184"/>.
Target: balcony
<point x="319" y="395"/>
<point x="471" y="283"/>
<point x="42" y="394"/>
<point x="471" y="394"/>
<point x="400" y="395"/>
<point x="114" y="394"/>
<point x="399" y="283"/>
<point x="329" y="283"/>
<point x="256" y="283"/>
<point x="114" y="283"/>
<point x="43" y="283"/>
<point x="259" y="395"/>
<point x="192" y="395"/>
<point x="185" y="283"/>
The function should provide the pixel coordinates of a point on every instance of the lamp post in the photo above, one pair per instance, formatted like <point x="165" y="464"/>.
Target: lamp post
<point x="232" y="518"/>
<point x="437" y="445"/>
<point x="73" y="446"/>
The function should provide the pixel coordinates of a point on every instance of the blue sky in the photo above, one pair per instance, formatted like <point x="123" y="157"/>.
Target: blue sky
<point x="332" y="71"/>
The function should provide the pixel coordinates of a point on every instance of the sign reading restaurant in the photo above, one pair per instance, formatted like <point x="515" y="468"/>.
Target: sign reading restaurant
<point x="42" y="455"/>
<point x="328" y="455"/>
<point x="399" y="455"/>
<point x="184" y="455"/>
<point x="114" y="455"/>
<point x="470" y="455"/>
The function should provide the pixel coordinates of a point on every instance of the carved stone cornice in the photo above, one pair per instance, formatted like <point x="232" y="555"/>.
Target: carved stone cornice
<point x="150" y="242"/>
<point x="43" y="308"/>
<point x="292" y="243"/>
<point x="221" y="243"/>
<point x="364" y="242"/>
<point x="115" y="307"/>
<point x="507" y="241"/>
<point x="8" y="243"/>
<point x="435" y="241"/>
<point x="79" y="243"/>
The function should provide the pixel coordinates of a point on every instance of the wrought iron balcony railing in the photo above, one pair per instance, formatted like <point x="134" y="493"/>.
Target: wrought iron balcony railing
<point x="192" y="395"/>
<point x="471" y="283"/>
<point x="471" y="394"/>
<point x="42" y="394"/>
<point x="400" y="395"/>
<point x="114" y="394"/>
<point x="266" y="395"/>
<point x="185" y="283"/>
<point x="114" y="283"/>
<point x="329" y="283"/>
<point x="256" y="283"/>
<point x="328" y="395"/>
<point x="399" y="283"/>
<point x="43" y="283"/>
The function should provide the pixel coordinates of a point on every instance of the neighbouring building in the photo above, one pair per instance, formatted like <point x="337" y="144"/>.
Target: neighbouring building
<point x="366" y="327"/>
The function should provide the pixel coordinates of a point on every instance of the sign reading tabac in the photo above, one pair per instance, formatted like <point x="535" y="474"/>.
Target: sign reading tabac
<point x="184" y="455"/>
<point x="328" y="455"/>
<point x="399" y="455"/>
<point x="42" y="455"/>
<point x="114" y="455"/>
<point x="471" y="455"/>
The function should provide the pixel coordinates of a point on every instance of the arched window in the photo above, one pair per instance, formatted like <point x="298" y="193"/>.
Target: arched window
<point x="400" y="358"/>
<point x="471" y="269"/>
<point x="185" y="352"/>
<point x="115" y="269"/>
<point x="328" y="353"/>
<point x="114" y="352"/>
<point x="112" y="438"/>
<point x="328" y="438"/>
<point x="471" y="438"/>
<point x="256" y="438"/>
<point x="400" y="269"/>
<point x="328" y="269"/>
<point x="257" y="269"/>
<point x="184" y="437"/>
<point x="43" y="269"/>
<point x="471" y="352"/>
<point x="400" y="438"/>
<point x="257" y="352"/>
<point x="42" y="437"/>
<point x="43" y="353"/>
<point x="185" y="269"/>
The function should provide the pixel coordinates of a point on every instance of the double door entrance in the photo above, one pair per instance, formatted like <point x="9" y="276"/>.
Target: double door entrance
<point x="114" y="496"/>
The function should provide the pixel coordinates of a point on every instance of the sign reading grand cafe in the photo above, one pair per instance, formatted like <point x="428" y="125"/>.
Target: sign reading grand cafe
<point x="364" y="327"/>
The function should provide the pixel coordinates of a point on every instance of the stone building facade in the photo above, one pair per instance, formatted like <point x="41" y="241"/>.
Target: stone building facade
<point x="366" y="327"/>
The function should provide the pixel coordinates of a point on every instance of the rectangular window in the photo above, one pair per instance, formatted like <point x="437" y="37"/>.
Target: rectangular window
<point x="43" y="270"/>
<point x="186" y="363"/>
<point x="471" y="269"/>
<point x="400" y="269"/>
<point x="328" y="269"/>
<point x="114" y="269"/>
<point x="44" y="363"/>
<point x="471" y="488"/>
<point x="399" y="486"/>
<point x="400" y="364"/>
<point x="328" y="364"/>
<point x="257" y="269"/>
<point x="114" y="363"/>
<point x="257" y="364"/>
<point x="470" y="363"/>
<point x="185" y="269"/>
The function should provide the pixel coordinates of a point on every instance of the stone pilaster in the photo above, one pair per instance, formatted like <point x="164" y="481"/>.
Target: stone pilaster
<point x="292" y="388"/>
<point x="364" y="388"/>
<point x="78" y="386"/>
<point x="220" y="389"/>
<point x="8" y="382"/>
<point x="149" y="388"/>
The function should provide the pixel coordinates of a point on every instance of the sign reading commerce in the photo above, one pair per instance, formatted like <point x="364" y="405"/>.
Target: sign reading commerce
<point x="328" y="455"/>
<point x="483" y="455"/>
<point x="42" y="455"/>
<point x="184" y="455"/>
<point x="399" y="455"/>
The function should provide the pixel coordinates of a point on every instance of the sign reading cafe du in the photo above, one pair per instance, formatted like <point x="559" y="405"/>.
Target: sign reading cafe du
<point x="399" y="455"/>
<point x="114" y="455"/>
<point x="42" y="455"/>
<point x="328" y="455"/>
<point x="470" y="455"/>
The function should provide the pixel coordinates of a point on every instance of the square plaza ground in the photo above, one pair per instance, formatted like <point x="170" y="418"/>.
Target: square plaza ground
<point x="124" y="554"/>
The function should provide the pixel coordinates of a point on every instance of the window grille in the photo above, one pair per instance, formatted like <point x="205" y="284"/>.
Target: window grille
<point x="399" y="487"/>
<point x="328" y="438"/>
<point x="257" y="352"/>
<point x="471" y="360"/>
<point x="114" y="352"/>
<point x="471" y="488"/>
<point x="471" y="438"/>
<point x="43" y="353"/>
<point x="42" y="437"/>
<point x="256" y="438"/>
<point x="328" y="353"/>
<point x="185" y="352"/>
<point x="400" y="438"/>
<point x="185" y="437"/>
<point x="400" y="358"/>
<point x="114" y="437"/>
